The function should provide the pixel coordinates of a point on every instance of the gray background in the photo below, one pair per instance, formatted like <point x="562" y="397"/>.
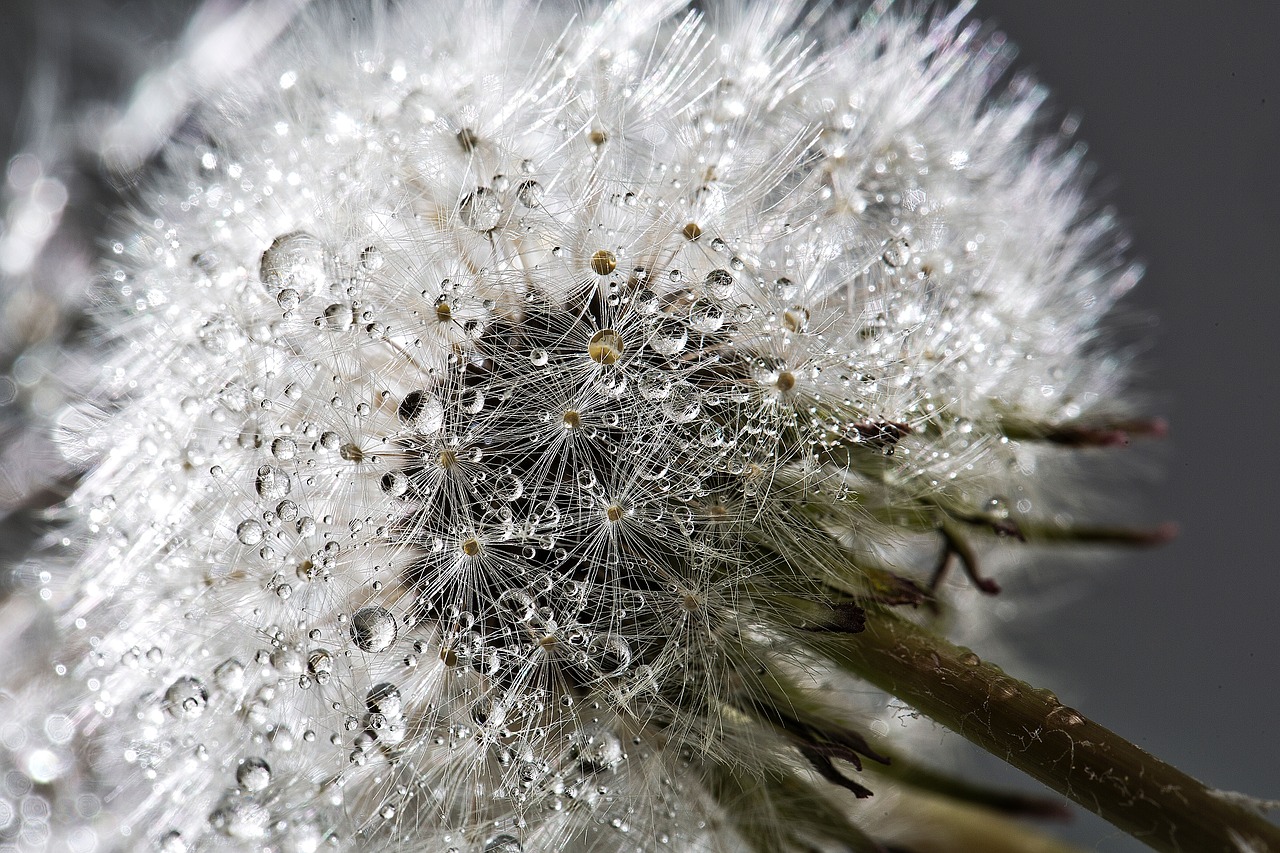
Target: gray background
<point x="1175" y="648"/>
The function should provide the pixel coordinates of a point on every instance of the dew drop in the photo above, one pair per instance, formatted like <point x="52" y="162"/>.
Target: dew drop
<point x="473" y="401"/>
<point x="602" y="752"/>
<point x="371" y="259"/>
<point x="243" y="820"/>
<point x="897" y="252"/>
<point x="229" y="675"/>
<point x="272" y="485"/>
<point x="249" y="532"/>
<point x="796" y="318"/>
<point x="509" y="487"/>
<point x="253" y="774"/>
<point x="294" y="261"/>
<point x="423" y="411"/>
<point x="654" y="384"/>
<point x="173" y="842"/>
<point x="481" y="209"/>
<point x="503" y="844"/>
<point x="384" y="698"/>
<point x="605" y="347"/>
<point x="669" y="336"/>
<point x="284" y="449"/>
<point x="395" y="483"/>
<point x="529" y="193"/>
<point x="706" y="316"/>
<point x="683" y="403"/>
<point x="718" y="284"/>
<point x="186" y="698"/>
<point x="373" y="629"/>
<point x="604" y="262"/>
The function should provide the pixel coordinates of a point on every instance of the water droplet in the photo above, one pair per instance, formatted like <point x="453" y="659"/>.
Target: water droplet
<point x="472" y="401"/>
<point x="604" y="262"/>
<point x="785" y="288"/>
<point x="646" y="301"/>
<point x="186" y="698"/>
<point x="288" y="299"/>
<point x="395" y="483"/>
<point x="339" y="317"/>
<point x="373" y="629"/>
<point x="253" y="774"/>
<point x="654" y="384"/>
<point x="229" y="675"/>
<point x="796" y="318"/>
<point x="706" y="316"/>
<point x="241" y="819"/>
<point x="718" y="284"/>
<point x="605" y="347"/>
<point x="384" y="698"/>
<point x="272" y="485"/>
<point x="503" y="844"/>
<point x="295" y="261"/>
<point x="529" y="193"/>
<point x="509" y="487"/>
<point x="1065" y="718"/>
<point x="669" y="336"/>
<point x="481" y="209"/>
<point x="539" y="358"/>
<point x="684" y="402"/>
<point x="423" y="411"/>
<point x="602" y="752"/>
<point x="173" y="842"/>
<point x="711" y="434"/>
<point x="897" y="252"/>
<point x="284" y="449"/>
<point x="517" y="604"/>
<point x="250" y="532"/>
<point x="371" y="259"/>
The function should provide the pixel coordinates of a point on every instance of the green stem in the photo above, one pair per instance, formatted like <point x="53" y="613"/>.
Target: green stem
<point x="1147" y="798"/>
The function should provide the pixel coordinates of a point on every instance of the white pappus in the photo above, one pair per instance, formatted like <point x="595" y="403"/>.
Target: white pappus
<point x="498" y="399"/>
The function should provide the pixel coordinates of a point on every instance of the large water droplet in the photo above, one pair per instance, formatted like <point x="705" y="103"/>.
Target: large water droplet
<point x="395" y="483"/>
<point x="605" y="347"/>
<point x="706" y="316"/>
<point x="718" y="284"/>
<point x="669" y="336"/>
<point x="529" y="193"/>
<point x="654" y="384"/>
<point x="481" y="209"/>
<point x="249" y="532"/>
<point x="241" y="819"/>
<point x="384" y="698"/>
<point x="423" y="411"/>
<point x="272" y="484"/>
<point x="294" y="261"/>
<point x="684" y="402"/>
<point x="897" y="252"/>
<point x="253" y="774"/>
<point x="503" y="844"/>
<point x="373" y="629"/>
<point x="186" y="698"/>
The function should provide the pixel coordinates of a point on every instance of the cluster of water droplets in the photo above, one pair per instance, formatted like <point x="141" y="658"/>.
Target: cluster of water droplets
<point x="439" y="475"/>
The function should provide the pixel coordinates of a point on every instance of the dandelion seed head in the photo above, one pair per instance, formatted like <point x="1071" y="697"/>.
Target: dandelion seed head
<point x="479" y="408"/>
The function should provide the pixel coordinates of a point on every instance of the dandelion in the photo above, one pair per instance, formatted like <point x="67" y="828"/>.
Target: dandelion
<point x="528" y="431"/>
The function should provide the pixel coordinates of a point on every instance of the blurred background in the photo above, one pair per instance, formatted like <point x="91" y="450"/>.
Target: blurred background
<point x="1176" y="648"/>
